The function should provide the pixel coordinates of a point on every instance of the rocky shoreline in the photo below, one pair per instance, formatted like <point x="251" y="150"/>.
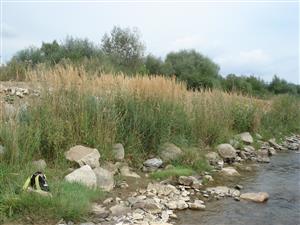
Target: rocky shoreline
<point x="158" y="202"/>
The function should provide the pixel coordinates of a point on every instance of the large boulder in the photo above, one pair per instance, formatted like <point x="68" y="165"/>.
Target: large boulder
<point x="105" y="179"/>
<point x="83" y="156"/>
<point x="246" y="137"/>
<point x="255" y="197"/>
<point x="84" y="175"/>
<point x="227" y="152"/>
<point x="169" y="152"/>
<point x="118" y="151"/>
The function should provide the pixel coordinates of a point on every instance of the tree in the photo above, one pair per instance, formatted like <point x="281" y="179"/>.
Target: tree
<point x="194" y="68"/>
<point x="153" y="65"/>
<point x="124" y="48"/>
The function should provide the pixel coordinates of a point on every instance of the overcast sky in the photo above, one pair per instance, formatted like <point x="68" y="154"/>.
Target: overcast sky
<point x="243" y="38"/>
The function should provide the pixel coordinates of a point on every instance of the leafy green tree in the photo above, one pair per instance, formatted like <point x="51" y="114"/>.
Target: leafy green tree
<point x="194" y="68"/>
<point x="124" y="48"/>
<point x="153" y="65"/>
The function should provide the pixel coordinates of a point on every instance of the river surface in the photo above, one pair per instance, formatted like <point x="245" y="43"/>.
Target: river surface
<point x="280" y="178"/>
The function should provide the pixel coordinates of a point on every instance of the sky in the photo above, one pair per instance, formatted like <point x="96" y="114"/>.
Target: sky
<point x="246" y="38"/>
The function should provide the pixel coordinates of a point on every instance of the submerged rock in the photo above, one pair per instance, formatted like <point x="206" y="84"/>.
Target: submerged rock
<point x="230" y="171"/>
<point x="255" y="197"/>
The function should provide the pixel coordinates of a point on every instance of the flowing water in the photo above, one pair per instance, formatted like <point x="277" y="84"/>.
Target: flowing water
<point x="280" y="178"/>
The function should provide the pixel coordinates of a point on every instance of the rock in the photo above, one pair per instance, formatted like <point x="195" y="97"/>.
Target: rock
<point x="246" y="137"/>
<point x="84" y="175"/>
<point x="83" y="156"/>
<point x="238" y="187"/>
<point x="249" y="148"/>
<point x="118" y="151"/>
<point x="39" y="164"/>
<point x="273" y="144"/>
<point x="119" y="210"/>
<point x="99" y="211"/>
<point x="271" y="151"/>
<point x="230" y="171"/>
<point x="209" y="178"/>
<point x="153" y="164"/>
<point x="105" y="179"/>
<point x="187" y="181"/>
<point x="108" y="200"/>
<point x="169" y="152"/>
<point x="181" y="204"/>
<point x="263" y="156"/>
<point x="148" y="205"/>
<point x="255" y="197"/>
<point x="171" y="205"/>
<point x="224" y="191"/>
<point x="197" y="205"/>
<point x="213" y="158"/>
<point x="125" y="171"/>
<point x="161" y="189"/>
<point x="227" y="152"/>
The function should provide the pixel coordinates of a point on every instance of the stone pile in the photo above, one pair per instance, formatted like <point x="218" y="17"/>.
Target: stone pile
<point x="157" y="204"/>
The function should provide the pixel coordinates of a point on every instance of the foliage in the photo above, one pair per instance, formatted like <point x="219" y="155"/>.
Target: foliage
<point x="124" y="48"/>
<point x="190" y="66"/>
<point x="172" y="172"/>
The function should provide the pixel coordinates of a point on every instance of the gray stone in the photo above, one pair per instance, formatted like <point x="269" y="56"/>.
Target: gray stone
<point x="153" y="163"/>
<point x="246" y="137"/>
<point x="169" y="152"/>
<point x="99" y="211"/>
<point x="227" y="152"/>
<point x="105" y="179"/>
<point x="118" y="151"/>
<point x="84" y="175"/>
<point x="83" y="156"/>
<point x="119" y="210"/>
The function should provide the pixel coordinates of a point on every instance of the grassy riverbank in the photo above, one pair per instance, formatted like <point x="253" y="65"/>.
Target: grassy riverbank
<point x="141" y="112"/>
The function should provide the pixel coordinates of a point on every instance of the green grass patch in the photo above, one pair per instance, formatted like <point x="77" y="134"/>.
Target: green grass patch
<point x="172" y="172"/>
<point x="70" y="201"/>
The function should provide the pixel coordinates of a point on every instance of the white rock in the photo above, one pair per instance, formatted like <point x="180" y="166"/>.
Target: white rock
<point x="84" y="175"/>
<point x="226" y="151"/>
<point x="83" y="156"/>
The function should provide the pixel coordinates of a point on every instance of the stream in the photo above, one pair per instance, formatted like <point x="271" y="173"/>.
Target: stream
<point x="280" y="178"/>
